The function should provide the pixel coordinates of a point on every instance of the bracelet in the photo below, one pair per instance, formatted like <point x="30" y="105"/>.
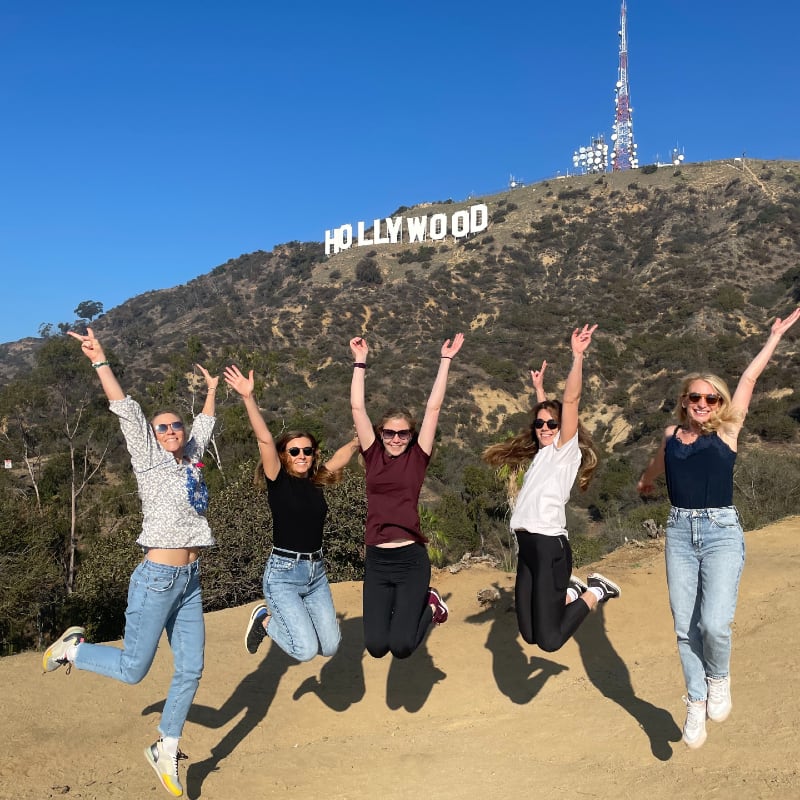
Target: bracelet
<point x="211" y="389"/>
<point x="449" y="358"/>
<point x="360" y="364"/>
<point x="98" y="364"/>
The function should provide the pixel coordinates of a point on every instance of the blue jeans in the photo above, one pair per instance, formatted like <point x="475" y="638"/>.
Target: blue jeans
<point x="303" y="621"/>
<point x="160" y="597"/>
<point x="705" y="558"/>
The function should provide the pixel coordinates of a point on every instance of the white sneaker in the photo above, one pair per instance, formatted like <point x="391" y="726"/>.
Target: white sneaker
<point x="719" y="702"/>
<point x="694" y="729"/>
<point x="165" y="766"/>
<point x="56" y="655"/>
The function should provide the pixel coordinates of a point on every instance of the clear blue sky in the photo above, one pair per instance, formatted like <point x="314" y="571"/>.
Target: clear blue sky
<point x="143" y="143"/>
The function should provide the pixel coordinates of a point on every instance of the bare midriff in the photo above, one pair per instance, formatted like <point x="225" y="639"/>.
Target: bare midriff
<point x="173" y="556"/>
<point x="396" y="543"/>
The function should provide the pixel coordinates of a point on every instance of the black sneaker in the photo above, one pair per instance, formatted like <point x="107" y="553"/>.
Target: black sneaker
<point x="609" y="588"/>
<point x="255" y="629"/>
<point x="577" y="584"/>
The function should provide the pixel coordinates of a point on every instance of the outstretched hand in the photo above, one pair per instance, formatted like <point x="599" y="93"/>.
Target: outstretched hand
<point x="448" y="349"/>
<point x="780" y="326"/>
<point x="89" y="345"/>
<point x="582" y="338"/>
<point x="359" y="349"/>
<point x="537" y="377"/>
<point x="238" y="382"/>
<point x="211" y="380"/>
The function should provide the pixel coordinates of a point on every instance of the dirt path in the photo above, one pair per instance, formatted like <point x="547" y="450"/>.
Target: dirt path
<point x="474" y="713"/>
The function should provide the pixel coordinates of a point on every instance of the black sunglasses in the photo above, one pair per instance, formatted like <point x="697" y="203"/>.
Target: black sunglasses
<point x="540" y="423"/>
<point x="388" y="434"/>
<point x="711" y="399"/>
<point x="295" y="451"/>
<point x="163" y="427"/>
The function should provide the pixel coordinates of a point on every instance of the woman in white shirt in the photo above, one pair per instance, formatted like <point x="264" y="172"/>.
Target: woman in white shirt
<point x="550" y="602"/>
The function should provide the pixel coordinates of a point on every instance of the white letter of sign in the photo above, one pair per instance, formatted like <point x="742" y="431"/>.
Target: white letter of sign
<point x="361" y="240"/>
<point x="478" y="218"/>
<point x="416" y="228"/>
<point x="438" y="227"/>
<point x="393" y="227"/>
<point x="460" y="224"/>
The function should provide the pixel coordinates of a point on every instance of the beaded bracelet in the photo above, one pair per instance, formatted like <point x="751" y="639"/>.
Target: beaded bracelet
<point x="98" y="364"/>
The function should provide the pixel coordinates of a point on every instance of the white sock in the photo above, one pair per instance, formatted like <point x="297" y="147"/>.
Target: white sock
<point x="572" y="593"/>
<point x="598" y="593"/>
<point x="170" y="745"/>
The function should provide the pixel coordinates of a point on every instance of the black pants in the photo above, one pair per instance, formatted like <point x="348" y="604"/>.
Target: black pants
<point x="396" y="611"/>
<point x="544" y="567"/>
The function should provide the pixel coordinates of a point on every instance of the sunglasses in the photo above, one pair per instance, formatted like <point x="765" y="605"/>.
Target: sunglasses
<point x="540" y="423"/>
<point x="388" y="434"/>
<point x="711" y="399"/>
<point x="295" y="451"/>
<point x="163" y="427"/>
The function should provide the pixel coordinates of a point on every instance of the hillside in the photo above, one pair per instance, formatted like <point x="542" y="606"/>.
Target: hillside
<point x="474" y="713"/>
<point x="682" y="269"/>
<point x="666" y="263"/>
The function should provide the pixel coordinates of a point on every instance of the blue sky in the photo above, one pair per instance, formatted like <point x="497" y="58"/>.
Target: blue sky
<point x="142" y="144"/>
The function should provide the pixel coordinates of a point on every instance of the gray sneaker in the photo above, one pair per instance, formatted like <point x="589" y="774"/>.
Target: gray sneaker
<point x="719" y="702"/>
<point x="56" y="655"/>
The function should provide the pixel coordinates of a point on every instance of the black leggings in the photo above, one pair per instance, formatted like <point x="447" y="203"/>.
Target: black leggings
<point x="396" y="611"/>
<point x="544" y="566"/>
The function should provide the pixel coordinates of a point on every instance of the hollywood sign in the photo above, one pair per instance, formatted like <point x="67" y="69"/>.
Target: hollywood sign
<point x="417" y="229"/>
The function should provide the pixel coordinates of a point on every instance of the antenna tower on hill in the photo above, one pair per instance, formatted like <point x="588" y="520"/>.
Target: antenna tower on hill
<point x="623" y="154"/>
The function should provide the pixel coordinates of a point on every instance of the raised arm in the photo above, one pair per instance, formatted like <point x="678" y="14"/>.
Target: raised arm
<point x="581" y="339"/>
<point x="537" y="379"/>
<point x="266" y="444"/>
<point x="744" y="390"/>
<point x="364" y="429"/>
<point x="427" y="430"/>
<point x="94" y="352"/>
<point x="341" y="458"/>
<point x="212" y="381"/>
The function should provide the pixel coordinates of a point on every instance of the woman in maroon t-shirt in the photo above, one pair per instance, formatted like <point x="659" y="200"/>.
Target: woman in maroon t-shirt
<point x="399" y="604"/>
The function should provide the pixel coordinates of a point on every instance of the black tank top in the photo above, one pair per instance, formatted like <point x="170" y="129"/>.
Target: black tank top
<point x="298" y="512"/>
<point x="700" y="474"/>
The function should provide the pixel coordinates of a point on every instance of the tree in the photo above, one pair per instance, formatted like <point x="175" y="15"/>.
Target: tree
<point x="88" y="309"/>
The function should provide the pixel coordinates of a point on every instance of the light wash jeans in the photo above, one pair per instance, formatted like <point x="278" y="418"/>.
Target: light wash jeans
<point x="160" y="597"/>
<point x="705" y="558"/>
<point x="303" y="621"/>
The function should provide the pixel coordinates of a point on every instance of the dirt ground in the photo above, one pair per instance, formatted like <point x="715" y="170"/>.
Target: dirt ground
<point x="474" y="713"/>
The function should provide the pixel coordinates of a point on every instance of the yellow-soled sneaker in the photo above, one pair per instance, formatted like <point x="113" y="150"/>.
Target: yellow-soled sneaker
<point x="56" y="655"/>
<point x="165" y="766"/>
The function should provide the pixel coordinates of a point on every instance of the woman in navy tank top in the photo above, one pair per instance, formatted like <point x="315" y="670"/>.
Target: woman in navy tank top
<point x="704" y="538"/>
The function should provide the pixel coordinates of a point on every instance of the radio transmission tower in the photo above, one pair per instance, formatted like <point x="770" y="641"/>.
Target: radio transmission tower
<point x="623" y="155"/>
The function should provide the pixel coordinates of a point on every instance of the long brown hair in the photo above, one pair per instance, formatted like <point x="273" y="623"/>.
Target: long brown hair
<point x="518" y="451"/>
<point x="318" y="474"/>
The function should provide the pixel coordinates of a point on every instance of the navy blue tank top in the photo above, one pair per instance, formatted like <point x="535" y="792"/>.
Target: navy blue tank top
<point x="700" y="474"/>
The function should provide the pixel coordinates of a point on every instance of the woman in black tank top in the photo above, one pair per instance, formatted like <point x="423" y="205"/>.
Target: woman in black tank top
<point x="704" y="539"/>
<point x="299" y="615"/>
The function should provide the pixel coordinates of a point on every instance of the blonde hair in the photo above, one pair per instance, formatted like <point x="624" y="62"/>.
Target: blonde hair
<point x="724" y="414"/>
<point x="518" y="451"/>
